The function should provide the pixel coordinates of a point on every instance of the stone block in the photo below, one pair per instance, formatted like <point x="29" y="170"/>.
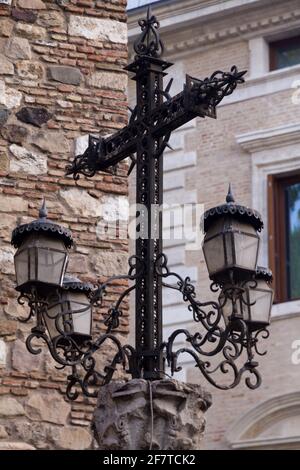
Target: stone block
<point x="18" y="48"/>
<point x="27" y="161"/>
<point x="2" y="357"/>
<point x="73" y="438"/>
<point x="15" y="446"/>
<point x="32" y="4"/>
<point x="35" y="433"/>
<point x="12" y="204"/>
<point x="4" y="162"/>
<point x="6" y="27"/>
<point x="24" y="15"/>
<point x="78" y="264"/>
<point x="9" y="97"/>
<point x="51" y="408"/>
<point x="108" y="80"/>
<point x="98" y="28"/>
<point x="10" y="407"/>
<point x="81" y="202"/>
<point x="115" y="208"/>
<point x="4" y="114"/>
<point x="7" y="260"/>
<point x="13" y="308"/>
<point x="22" y="360"/>
<point x="14" y="133"/>
<point x="109" y="263"/>
<point x="52" y="142"/>
<point x="65" y="74"/>
<point x="35" y="116"/>
<point x="31" y="31"/>
<point x="7" y="327"/>
<point x="13" y="98"/>
<point x="6" y="67"/>
<point x="50" y="18"/>
<point x="30" y="70"/>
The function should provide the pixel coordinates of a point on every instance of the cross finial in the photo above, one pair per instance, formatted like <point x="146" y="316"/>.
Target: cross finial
<point x="149" y="43"/>
<point x="229" y="197"/>
<point x="43" y="210"/>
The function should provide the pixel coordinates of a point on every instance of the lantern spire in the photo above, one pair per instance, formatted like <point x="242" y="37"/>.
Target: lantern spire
<point x="43" y="210"/>
<point x="229" y="197"/>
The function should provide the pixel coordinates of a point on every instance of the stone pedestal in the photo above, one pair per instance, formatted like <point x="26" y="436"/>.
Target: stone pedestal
<point x="143" y="415"/>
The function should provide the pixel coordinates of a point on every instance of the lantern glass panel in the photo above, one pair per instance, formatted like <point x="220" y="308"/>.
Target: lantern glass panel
<point x="75" y="314"/>
<point x="214" y="254"/>
<point x="262" y="295"/>
<point x="246" y="244"/>
<point x="22" y="267"/>
<point x="55" y="307"/>
<point x="230" y="244"/>
<point x="82" y="316"/>
<point x="40" y="259"/>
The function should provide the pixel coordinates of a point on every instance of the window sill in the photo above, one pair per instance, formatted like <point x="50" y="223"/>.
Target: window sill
<point x="266" y="84"/>
<point x="285" y="309"/>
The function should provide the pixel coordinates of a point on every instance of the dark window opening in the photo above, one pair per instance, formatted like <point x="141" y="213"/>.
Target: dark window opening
<point x="284" y="53"/>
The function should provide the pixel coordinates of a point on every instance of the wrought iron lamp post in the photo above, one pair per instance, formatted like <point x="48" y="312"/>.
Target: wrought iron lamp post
<point x="63" y="306"/>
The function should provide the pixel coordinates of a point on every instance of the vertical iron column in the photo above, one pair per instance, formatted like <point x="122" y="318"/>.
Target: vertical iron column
<point x="149" y="197"/>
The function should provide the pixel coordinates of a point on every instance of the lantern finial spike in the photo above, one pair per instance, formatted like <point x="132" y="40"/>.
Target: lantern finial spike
<point x="43" y="210"/>
<point x="229" y="197"/>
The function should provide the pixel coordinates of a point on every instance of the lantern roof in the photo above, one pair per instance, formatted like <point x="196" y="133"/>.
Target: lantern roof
<point x="264" y="273"/>
<point x="41" y="225"/>
<point x="76" y="285"/>
<point x="242" y="213"/>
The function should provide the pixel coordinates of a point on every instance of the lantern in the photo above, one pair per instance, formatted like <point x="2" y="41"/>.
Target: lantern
<point x="41" y="258"/>
<point x="231" y="241"/>
<point x="255" y="304"/>
<point x="69" y="311"/>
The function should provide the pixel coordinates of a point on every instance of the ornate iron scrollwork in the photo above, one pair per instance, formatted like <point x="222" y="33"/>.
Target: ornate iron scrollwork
<point x="231" y="340"/>
<point x="149" y="43"/>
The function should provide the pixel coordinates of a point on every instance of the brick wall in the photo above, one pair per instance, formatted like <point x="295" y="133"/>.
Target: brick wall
<point x="60" y="78"/>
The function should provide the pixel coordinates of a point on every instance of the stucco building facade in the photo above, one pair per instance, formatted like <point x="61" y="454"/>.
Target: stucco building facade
<point x="254" y="144"/>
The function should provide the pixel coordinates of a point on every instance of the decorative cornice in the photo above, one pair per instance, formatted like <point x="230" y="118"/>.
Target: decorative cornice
<point x="237" y="31"/>
<point x="269" y="138"/>
<point x="176" y="12"/>
<point x="244" y="30"/>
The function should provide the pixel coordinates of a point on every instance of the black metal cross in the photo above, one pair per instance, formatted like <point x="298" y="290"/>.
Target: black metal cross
<point x="153" y="119"/>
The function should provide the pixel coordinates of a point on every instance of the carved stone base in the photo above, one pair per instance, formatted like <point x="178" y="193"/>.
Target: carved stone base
<point x="143" y="415"/>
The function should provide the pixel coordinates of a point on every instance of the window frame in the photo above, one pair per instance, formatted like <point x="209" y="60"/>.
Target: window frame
<point x="277" y="218"/>
<point x="273" y="46"/>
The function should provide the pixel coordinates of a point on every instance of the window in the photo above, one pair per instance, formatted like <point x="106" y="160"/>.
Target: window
<point x="284" y="235"/>
<point x="284" y="53"/>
